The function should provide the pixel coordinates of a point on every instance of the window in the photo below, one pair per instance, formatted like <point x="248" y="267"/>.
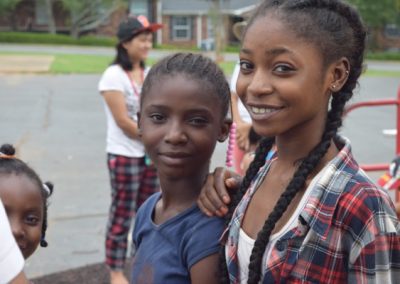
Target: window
<point x="41" y="17"/>
<point x="181" y="27"/>
<point x="392" y="31"/>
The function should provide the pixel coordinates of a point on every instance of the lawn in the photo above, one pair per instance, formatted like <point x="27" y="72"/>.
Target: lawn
<point x="96" y="64"/>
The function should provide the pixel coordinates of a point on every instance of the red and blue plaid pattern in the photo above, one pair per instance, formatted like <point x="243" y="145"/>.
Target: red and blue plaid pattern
<point x="132" y="182"/>
<point x="348" y="231"/>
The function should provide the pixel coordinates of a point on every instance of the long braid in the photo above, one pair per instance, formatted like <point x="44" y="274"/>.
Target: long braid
<point x="262" y="150"/>
<point x="344" y="36"/>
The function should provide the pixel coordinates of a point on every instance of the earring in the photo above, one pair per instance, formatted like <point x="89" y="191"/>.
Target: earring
<point x="333" y="87"/>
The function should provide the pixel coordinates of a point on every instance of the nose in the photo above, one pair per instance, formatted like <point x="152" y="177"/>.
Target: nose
<point x="17" y="228"/>
<point x="175" y="134"/>
<point x="149" y="44"/>
<point x="260" y="84"/>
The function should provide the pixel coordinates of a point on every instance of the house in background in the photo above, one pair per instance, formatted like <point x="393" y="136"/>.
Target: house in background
<point x="190" y="22"/>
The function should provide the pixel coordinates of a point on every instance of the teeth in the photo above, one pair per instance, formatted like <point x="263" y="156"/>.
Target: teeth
<point x="260" y="110"/>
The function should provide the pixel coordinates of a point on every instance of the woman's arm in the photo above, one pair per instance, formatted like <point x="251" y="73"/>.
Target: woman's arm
<point x="242" y="127"/>
<point x="215" y="193"/>
<point x="116" y="102"/>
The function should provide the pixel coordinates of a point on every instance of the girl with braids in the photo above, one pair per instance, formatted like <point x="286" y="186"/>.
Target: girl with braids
<point x="132" y="178"/>
<point x="184" y="105"/>
<point x="309" y="214"/>
<point x="25" y="200"/>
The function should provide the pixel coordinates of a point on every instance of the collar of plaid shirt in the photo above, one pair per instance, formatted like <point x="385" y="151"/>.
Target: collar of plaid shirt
<point x="328" y="186"/>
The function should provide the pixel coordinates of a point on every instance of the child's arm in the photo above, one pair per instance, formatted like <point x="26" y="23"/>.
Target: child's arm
<point x="206" y="270"/>
<point x="116" y="103"/>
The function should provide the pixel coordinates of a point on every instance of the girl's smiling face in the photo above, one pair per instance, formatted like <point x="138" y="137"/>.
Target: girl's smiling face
<point x="282" y="81"/>
<point x="181" y="121"/>
<point x="23" y="203"/>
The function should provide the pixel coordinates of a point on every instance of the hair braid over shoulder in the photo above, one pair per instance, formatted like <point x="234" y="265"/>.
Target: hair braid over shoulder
<point x="336" y="29"/>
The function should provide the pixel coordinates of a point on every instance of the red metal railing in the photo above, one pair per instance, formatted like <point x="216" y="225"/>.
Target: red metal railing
<point x="373" y="103"/>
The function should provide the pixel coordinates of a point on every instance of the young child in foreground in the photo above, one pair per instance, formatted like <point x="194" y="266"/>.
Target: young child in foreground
<point x="184" y="105"/>
<point x="309" y="214"/>
<point x="25" y="201"/>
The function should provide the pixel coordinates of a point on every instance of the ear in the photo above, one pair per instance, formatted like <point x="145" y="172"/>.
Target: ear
<point x="339" y="73"/>
<point x="225" y="128"/>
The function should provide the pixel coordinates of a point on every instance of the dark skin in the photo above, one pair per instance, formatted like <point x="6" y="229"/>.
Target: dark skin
<point x="179" y="128"/>
<point x="274" y="76"/>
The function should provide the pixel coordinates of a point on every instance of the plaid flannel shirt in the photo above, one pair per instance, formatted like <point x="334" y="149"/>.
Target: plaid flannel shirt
<point x="348" y="231"/>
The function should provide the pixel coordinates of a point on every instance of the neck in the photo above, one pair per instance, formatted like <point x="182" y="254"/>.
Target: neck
<point x="181" y="193"/>
<point x="136" y="65"/>
<point x="294" y="148"/>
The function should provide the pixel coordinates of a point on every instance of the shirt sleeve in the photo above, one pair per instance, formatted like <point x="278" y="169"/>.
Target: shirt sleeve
<point x="111" y="79"/>
<point x="11" y="259"/>
<point x="204" y="240"/>
<point x="377" y="250"/>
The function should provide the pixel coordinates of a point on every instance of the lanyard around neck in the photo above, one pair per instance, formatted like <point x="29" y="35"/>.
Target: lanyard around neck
<point x="134" y="87"/>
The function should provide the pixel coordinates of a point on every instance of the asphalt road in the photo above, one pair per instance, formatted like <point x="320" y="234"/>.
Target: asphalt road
<point x="57" y="123"/>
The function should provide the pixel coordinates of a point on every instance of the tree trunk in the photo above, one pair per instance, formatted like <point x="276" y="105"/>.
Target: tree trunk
<point x="50" y="16"/>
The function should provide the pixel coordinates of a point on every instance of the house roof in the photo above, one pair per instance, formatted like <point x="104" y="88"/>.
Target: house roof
<point x="196" y="7"/>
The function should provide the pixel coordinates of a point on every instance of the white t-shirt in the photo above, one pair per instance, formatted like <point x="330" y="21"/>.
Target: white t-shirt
<point x="11" y="259"/>
<point x="244" y="114"/>
<point x="246" y="243"/>
<point x="115" y="78"/>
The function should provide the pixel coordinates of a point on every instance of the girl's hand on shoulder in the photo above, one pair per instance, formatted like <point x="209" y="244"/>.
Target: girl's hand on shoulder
<point x="215" y="194"/>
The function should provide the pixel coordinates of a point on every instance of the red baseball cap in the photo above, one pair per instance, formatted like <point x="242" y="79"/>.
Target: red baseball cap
<point x="134" y="25"/>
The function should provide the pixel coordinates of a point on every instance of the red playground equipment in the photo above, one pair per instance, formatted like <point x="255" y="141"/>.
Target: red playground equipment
<point x="391" y="179"/>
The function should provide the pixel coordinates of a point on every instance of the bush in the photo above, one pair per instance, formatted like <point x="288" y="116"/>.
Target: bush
<point x="44" y="38"/>
<point x="389" y="55"/>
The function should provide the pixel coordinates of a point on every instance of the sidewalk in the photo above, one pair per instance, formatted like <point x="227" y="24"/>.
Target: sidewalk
<point x="25" y="63"/>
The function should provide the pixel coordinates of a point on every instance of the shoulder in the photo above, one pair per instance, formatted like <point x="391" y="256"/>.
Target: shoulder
<point x="363" y="205"/>
<point x="113" y="70"/>
<point x="202" y="239"/>
<point x="146" y="208"/>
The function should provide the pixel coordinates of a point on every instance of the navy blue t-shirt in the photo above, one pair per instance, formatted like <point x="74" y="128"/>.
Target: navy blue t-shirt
<point x="166" y="252"/>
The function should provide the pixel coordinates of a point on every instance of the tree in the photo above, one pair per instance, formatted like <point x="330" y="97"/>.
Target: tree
<point x="86" y="15"/>
<point x="7" y="7"/>
<point x="50" y="16"/>
<point x="217" y="20"/>
<point x="377" y="14"/>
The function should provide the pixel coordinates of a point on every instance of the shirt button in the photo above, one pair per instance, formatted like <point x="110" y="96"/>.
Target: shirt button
<point x="280" y="246"/>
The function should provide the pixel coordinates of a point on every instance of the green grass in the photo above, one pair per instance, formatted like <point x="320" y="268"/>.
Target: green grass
<point x="76" y="63"/>
<point x="382" y="73"/>
<point x="96" y="64"/>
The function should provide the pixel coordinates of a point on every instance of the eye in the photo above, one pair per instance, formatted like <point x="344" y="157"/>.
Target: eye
<point x="245" y="67"/>
<point x="283" y="69"/>
<point x="32" y="220"/>
<point x="198" y="121"/>
<point x="157" y="117"/>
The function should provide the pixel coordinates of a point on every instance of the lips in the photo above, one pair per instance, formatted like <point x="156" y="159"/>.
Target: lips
<point x="258" y="112"/>
<point x="174" y="158"/>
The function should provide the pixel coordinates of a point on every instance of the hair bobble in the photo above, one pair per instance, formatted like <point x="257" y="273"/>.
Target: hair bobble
<point x="5" y="156"/>
<point x="46" y="189"/>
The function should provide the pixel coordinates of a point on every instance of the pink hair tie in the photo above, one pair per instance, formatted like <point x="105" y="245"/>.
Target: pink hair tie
<point x="231" y="145"/>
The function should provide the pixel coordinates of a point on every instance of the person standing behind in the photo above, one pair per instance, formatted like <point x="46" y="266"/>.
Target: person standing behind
<point x="132" y="178"/>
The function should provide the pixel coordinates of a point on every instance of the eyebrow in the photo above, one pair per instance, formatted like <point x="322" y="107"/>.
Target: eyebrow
<point x="270" y="52"/>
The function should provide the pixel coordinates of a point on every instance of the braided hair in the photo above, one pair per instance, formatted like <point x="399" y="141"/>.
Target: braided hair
<point x="196" y="67"/>
<point x="9" y="164"/>
<point x="336" y="29"/>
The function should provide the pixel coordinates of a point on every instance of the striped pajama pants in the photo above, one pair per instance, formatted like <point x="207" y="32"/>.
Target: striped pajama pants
<point x="132" y="182"/>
